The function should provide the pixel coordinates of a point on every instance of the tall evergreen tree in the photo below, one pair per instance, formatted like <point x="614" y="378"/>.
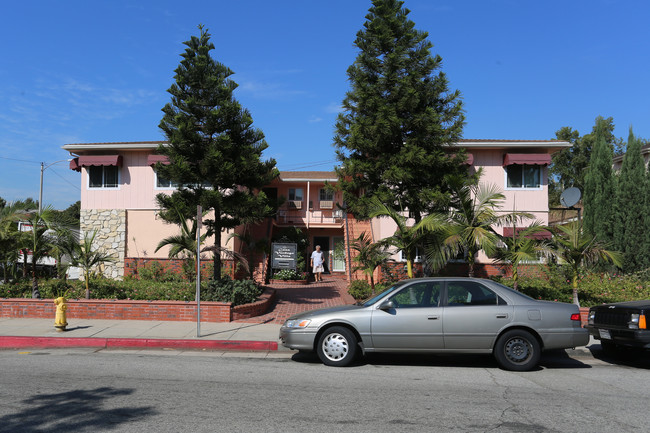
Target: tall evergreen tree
<point x="569" y="165"/>
<point x="599" y="187"/>
<point x="399" y="119"/>
<point x="214" y="151"/>
<point x="630" y="230"/>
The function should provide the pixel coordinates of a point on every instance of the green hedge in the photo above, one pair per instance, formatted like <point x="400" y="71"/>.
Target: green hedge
<point x="237" y="292"/>
<point x="593" y="289"/>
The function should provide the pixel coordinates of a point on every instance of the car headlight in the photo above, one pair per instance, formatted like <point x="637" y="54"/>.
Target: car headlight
<point x="592" y="318"/>
<point x="634" y="321"/>
<point x="297" y="323"/>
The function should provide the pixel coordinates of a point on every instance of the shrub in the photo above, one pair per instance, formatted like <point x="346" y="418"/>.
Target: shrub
<point x="238" y="292"/>
<point x="359" y="289"/>
<point x="289" y="274"/>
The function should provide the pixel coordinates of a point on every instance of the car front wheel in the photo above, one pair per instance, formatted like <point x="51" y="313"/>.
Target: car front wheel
<point x="517" y="350"/>
<point x="337" y="347"/>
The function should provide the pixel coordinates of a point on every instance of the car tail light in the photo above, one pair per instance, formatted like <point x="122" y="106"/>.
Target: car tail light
<point x="575" y="316"/>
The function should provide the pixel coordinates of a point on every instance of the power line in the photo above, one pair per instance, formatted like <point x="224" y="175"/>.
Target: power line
<point x="21" y="160"/>
<point x="311" y="164"/>
<point x="66" y="180"/>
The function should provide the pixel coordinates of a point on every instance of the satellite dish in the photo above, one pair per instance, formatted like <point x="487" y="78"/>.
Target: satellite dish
<point x="570" y="197"/>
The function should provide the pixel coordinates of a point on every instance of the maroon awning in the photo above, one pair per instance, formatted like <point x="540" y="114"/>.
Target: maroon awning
<point x="527" y="158"/>
<point x="87" y="160"/>
<point x="153" y="159"/>
<point x="542" y="234"/>
<point x="74" y="164"/>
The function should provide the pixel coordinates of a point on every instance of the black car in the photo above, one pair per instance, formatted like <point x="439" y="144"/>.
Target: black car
<point x="620" y="324"/>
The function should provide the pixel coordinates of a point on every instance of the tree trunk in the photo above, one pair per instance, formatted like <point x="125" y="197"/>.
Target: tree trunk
<point x="515" y="278"/>
<point x="470" y="264"/>
<point x="86" y="277"/>
<point x="217" y="252"/>
<point x="409" y="268"/>
<point x="35" y="292"/>
<point x="575" y="289"/>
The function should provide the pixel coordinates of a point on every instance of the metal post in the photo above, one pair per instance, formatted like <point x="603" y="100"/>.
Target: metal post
<point x="199" y="216"/>
<point x="40" y="191"/>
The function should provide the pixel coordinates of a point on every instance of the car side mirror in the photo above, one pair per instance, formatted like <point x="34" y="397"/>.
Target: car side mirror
<point x="387" y="305"/>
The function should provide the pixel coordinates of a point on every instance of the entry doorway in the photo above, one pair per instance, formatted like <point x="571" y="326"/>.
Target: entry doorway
<point x="338" y="256"/>
<point x="324" y="242"/>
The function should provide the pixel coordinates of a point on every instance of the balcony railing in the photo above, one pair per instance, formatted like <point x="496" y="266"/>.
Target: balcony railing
<point x="303" y="217"/>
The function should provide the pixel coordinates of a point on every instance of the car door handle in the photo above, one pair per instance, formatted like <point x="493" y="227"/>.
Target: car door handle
<point x="433" y="317"/>
<point x="502" y="316"/>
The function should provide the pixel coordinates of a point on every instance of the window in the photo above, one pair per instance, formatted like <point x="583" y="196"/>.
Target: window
<point x="470" y="293"/>
<point x="103" y="176"/>
<point x="326" y="195"/>
<point x="524" y="176"/>
<point x="163" y="183"/>
<point x="418" y="295"/>
<point x="418" y="256"/>
<point x="295" y="194"/>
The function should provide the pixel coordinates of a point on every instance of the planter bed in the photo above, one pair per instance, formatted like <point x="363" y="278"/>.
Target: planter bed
<point x="291" y="282"/>
<point x="110" y="309"/>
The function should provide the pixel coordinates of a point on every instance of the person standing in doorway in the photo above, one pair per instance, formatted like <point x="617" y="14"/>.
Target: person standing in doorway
<point x="317" y="260"/>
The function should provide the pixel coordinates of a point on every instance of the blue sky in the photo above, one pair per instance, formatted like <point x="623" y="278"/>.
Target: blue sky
<point x="98" y="71"/>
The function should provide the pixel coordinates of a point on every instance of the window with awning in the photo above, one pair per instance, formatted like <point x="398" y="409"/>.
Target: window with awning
<point x="99" y="160"/>
<point x="526" y="159"/>
<point x="153" y="159"/>
<point x="524" y="170"/>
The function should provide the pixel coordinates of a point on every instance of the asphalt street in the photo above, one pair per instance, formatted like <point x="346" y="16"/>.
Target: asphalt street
<point x="84" y="390"/>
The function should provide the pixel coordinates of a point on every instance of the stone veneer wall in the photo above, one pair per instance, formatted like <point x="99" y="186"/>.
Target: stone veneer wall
<point x="111" y="236"/>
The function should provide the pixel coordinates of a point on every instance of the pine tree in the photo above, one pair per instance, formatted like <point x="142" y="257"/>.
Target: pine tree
<point x="214" y="151"/>
<point x="629" y="233"/>
<point x="599" y="187"/>
<point x="399" y="119"/>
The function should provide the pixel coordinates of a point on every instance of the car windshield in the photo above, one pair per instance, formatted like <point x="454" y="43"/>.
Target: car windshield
<point x="375" y="298"/>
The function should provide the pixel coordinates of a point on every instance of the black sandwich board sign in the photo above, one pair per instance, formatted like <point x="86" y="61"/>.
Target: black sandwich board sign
<point x="283" y="255"/>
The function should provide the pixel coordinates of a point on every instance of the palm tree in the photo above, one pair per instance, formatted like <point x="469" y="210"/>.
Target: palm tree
<point x="370" y="256"/>
<point x="521" y="246"/>
<point x="38" y="241"/>
<point x="63" y="244"/>
<point x="408" y="238"/>
<point x="86" y="257"/>
<point x="9" y="238"/>
<point x="251" y="245"/>
<point x="474" y="218"/>
<point x="578" y="249"/>
<point x="183" y="245"/>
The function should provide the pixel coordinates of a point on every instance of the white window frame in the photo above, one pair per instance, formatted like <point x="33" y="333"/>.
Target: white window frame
<point x="329" y="195"/>
<point x="418" y="256"/>
<point x="162" y="188"/>
<point x="104" y="188"/>
<point x="302" y="196"/>
<point x="524" y="188"/>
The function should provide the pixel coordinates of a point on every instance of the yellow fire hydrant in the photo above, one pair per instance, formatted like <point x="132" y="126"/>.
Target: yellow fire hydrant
<point x="60" y="321"/>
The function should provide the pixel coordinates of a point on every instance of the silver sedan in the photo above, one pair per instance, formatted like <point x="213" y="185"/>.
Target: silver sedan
<point x="440" y="315"/>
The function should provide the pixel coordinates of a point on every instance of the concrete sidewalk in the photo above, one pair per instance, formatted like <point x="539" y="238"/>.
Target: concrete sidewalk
<point x="40" y="333"/>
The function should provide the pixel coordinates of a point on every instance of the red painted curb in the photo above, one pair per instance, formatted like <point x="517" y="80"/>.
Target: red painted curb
<point x="144" y="343"/>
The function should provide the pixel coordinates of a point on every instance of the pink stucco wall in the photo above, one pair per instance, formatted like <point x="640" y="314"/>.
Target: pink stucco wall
<point x="529" y="200"/>
<point x="136" y="186"/>
<point x="145" y="229"/>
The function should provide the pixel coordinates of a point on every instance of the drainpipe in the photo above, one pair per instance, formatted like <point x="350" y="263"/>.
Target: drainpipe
<point x="307" y="203"/>
<point x="347" y="237"/>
